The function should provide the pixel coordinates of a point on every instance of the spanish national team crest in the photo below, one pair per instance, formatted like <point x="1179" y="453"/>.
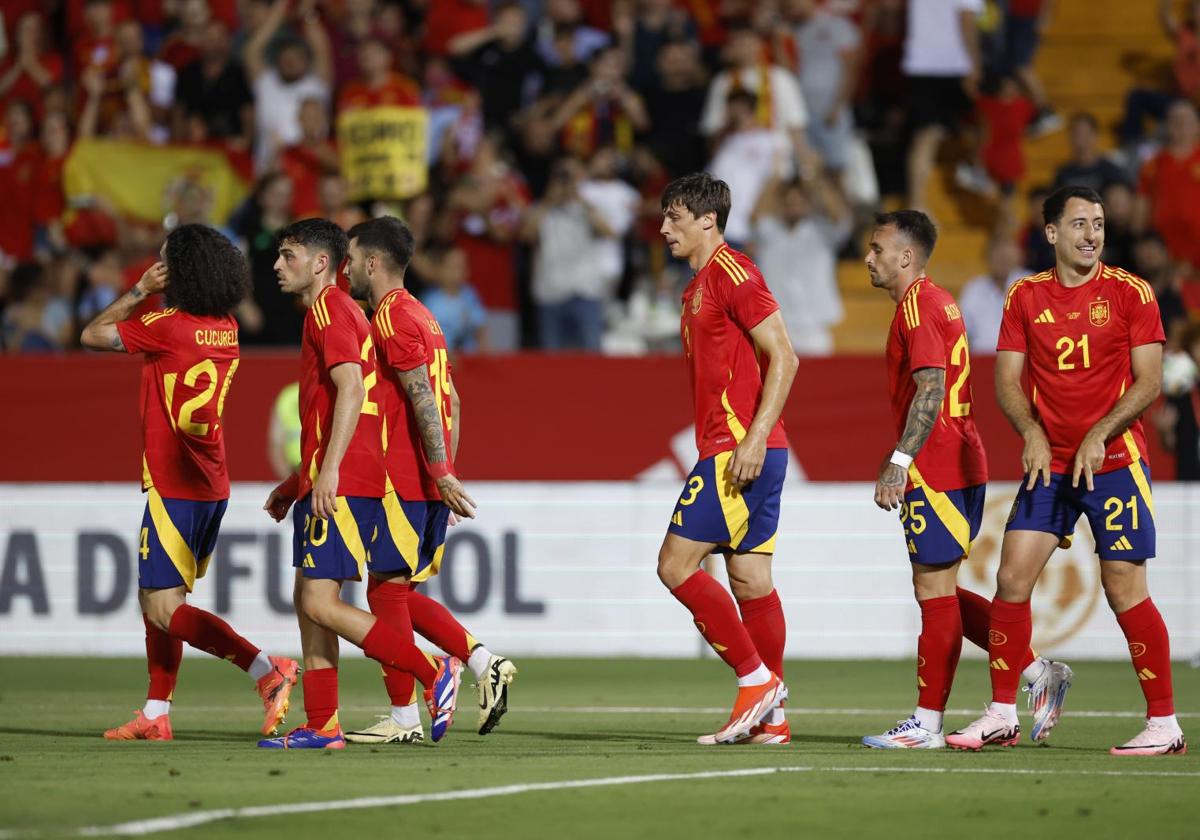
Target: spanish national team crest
<point x="1098" y="313"/>
<point x="697" y="299"/>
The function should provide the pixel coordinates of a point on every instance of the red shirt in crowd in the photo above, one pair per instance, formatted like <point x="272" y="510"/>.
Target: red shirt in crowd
<point x="1172" y="186"/>
<point x="398" y="90"/>
<point x="1006" y="119"/>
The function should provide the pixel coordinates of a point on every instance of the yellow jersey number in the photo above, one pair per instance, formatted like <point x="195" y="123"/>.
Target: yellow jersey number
<point x="207" y="369"/>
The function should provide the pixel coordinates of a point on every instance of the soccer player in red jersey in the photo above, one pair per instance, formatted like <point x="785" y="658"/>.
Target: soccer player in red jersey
<point x="338" y="489"/>
<point x="741" y="365"/>
<point x="1089" y="337"/>
<point x="937" y="476"/>
<point x="419" y="407"/>
<point x="190" y="355"/>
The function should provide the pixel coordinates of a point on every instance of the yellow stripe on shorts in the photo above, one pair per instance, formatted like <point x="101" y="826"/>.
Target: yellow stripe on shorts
<point x="945" y="510"/>
<point x="347" y="526"/>
<point x="173" y="542"/>
<point x="733" y="506"/>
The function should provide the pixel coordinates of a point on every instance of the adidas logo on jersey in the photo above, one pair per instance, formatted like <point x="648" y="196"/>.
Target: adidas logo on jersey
<point x="1122" y="544"/>
<point x="1047" y="317"/>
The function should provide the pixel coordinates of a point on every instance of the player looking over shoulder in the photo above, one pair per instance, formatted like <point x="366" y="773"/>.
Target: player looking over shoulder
<point x="937" y="476"/>
<point x="741" y="365"/>
<point x="420" y="410"/>
<point x="190" y="355"/>
<point x="1090" y="338"/>
<point x="338" y="489"/>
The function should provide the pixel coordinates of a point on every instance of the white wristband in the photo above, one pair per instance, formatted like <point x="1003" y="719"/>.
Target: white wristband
<point x="901" y="459"/>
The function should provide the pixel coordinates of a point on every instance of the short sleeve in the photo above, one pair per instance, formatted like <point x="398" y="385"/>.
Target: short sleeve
<point x="1145" y="321"/>
<point x="151" y="333"/>
<point x="750" y="302"/>
<point x="1012" y="325"/>
<point x="788" y="99"/>
<point x="338" y="341"/>
<point x="926" y="342"/>
<point x="405" y="348"/>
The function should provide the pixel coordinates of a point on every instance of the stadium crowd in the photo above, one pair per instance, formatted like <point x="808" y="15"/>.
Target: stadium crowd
<point x="550" y="128"/>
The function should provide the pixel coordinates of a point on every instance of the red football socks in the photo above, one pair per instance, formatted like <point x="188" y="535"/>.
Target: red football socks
<point x="205" y="631"/>
<point x="763" y="620"/>
<point x="1008" y="643"/>
<point x="976" y="620"/>
<point x="435" y="623"/>
<point x="163" y="657"/>
<point x="387" y="647"/>
<point x="938" y="648"/>
<point x="1150" y="650"/>
<point x="321" y="698"/>
<point x="389" y="602"/>
<point x="717" y="620"/>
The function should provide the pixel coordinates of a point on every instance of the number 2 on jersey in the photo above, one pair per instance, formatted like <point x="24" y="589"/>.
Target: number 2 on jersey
<point x="960" y="356"/>
<point x="208" y="369"/>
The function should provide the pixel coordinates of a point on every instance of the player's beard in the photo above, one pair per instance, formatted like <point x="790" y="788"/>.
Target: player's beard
<point x="360" y="289"/>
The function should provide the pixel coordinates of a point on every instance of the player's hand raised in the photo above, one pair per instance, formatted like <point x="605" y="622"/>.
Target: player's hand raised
<point x="889" y="487"/>
<point x="456" y="497"/>
<point x="324" y="494"/>
<point x="154" y="279"/>
<point x="1035" y="458"/>
<point x="1088" y="460"/>
<point x="747" y="461"/>
<point x="278" y="504"/>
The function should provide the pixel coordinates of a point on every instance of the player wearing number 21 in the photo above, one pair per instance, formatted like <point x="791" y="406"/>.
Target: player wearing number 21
<point x="937" y="476"/>
<point x="338" y="489"/>
<point x="1090" y="339"/>
<point x="190" y="355"/>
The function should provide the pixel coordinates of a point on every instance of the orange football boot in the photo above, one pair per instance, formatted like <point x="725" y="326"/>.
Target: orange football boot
<point x="142" y="728"/>
<point x="275" y="689"/>
<point x="754" y="702"/>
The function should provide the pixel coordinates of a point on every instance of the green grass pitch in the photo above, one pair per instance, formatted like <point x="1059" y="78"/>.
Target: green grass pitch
<point x="580" y="720"/>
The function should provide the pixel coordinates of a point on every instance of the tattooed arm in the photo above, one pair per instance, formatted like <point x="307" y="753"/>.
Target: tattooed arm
<point x="922" y="414"/>
<point x="433" y="439"/>
<point x="102" y="333"/>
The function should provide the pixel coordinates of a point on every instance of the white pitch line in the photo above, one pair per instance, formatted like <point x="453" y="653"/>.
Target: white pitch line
<point x="138" y="828"/>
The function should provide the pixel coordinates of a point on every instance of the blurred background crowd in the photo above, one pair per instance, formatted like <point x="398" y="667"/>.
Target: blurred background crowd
<point x="527" y="141"/>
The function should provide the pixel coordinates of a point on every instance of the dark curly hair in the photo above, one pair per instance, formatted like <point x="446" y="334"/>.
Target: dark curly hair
<point x="318" y="235"/>
<point x="206" y="273"/>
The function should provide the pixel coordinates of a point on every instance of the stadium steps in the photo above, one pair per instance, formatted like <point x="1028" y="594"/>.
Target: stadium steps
<point x="1094" y="52"/>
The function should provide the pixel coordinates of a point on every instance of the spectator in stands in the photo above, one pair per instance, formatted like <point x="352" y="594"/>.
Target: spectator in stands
<point x="333" y="195"/>
<point x="300" y="70"/>
<point x="455" y="304"/>
<point x="748" y="157"/>
<point x="1153" y="263"/>
<point x="104" y="281"/>
<point x="29" y="69"/>
<point x="377" y="84"/>
<point x="830" y="53"/>
<point x="1038" y="253"/>
<point x="37" y="318"/>
<point x="213" y="101"/>
<point x="270" y="316"/>
<point x="942" y="62"/>
<point x="447" y="19"/>
<point x="192" y="203"/>
<point x="981" y="300"/>
<point x="488" y="203"/>
<point x="617" y="202"/>
<point x="1087" y="166"/>
<point x="185" y="44"/>
<point x="1119" y="234"/>
<point x="1006" y="114"/>
<point x="602" y="110"/>
<point x="95" y="46"/>
<point x="499" y="61"/>
<point x="347" y="31"/>
<point x="1153" y="103"/>
<point x="643" y="29"/>
<point x="566" y="16"/>
<point x="18" y="171"/>
<point x="798" y="229"/>
<point x="1169" y="186"/>
<point x="674" y="101"/>
<point x="49" y="201"/>
<point x="1024" y="22"/>
<point x="568" y="279"/>
<point x="780" y="104"/>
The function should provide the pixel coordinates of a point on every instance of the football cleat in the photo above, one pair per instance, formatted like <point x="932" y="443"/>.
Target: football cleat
<point x="142" y="728"/>
<point x="991" y="728"/>
<point x="445" y="696"/>
<point x="1155" y="739"/>
<point x="906" y="735"/>
<point x="1046" y="696"/>
<point x="275" y="689"/>
<point x="754" y="702"/>
<point x="763" y="733"/>
<point x="493" y="692"/>
<point x="304" y="738"/>
<point x="387" y="731"/>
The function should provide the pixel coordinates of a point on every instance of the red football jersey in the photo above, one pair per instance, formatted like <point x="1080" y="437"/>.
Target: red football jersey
<point x="928" y="332"/>
<point x="407" y="337"/>
<point x="189" y="364"/>
<point x="1077" y="344"/>
<point x="725" y="300"/>
<point x="336" y="332"/>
